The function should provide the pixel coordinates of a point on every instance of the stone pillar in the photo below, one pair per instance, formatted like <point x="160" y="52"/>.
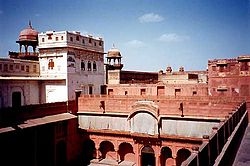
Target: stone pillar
<point x="117" y="154"/>
<point x="215" y="130"/>
<point x="157" y="156"/>
<point x="227" y="127"/>
<point x="231" y="121"/>
<point x="137" y="154"/>
<point x="206" y="139"/>
<point x="26" y="49"/>
<point x="97" y="152"/>
<point x="20" y="48"/>
<point x="34" y="49"/>
<point x="174" y="159"/>
<point x="195" y="151"/>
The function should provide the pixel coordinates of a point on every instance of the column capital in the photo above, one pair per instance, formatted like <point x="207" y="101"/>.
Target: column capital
<point x="205" y="138"/>
<point x="195" y="149"/>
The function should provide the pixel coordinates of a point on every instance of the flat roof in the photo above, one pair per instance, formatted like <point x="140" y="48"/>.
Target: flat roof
<point x="30" y="78"/>
<point x="45" y="120"/>
<point x="6" y="129"/>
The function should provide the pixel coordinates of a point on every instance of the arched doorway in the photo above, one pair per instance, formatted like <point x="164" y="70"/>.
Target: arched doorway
<point x="166" y="156"/>
<point x="61" y="157"/>
<point x="126" y="152"/>
<point x="182" y="155"/>
<point x="105" y="148"/>
<point x="147" y="156"/>
<point x="16" y="99"/>
<point x="89" y="151"/>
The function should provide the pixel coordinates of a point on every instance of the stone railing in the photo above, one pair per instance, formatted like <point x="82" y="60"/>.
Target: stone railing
<point x="221" y="146"/>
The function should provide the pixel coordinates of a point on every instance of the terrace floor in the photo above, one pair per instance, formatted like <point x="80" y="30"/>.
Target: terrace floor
<point x="243" y="154"/>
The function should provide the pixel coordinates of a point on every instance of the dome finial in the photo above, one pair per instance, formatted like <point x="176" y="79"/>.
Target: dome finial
<point x="30" y="24"/>
<point x="113" y="45"/>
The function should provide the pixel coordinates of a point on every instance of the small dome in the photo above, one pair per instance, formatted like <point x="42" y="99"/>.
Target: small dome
<point x="28" y="34"/>
<point x="114" y="52"/>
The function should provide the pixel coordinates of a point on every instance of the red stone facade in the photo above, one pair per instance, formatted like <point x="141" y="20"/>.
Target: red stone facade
<point x="117" y="147"/>
<point x="229" y="77"/>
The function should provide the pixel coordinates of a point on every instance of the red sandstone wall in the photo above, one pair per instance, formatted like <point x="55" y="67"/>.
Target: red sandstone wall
<point x="197" y="106"/>
<point x="151" y="89"/>
<point x="228" y="73"/>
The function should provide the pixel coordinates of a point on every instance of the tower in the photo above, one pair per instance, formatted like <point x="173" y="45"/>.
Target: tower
<point x="27" y="37"/>
<point x="114" y="59"/>
<point x="113" y="66"/>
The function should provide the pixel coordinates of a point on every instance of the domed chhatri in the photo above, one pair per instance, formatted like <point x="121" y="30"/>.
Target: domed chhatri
<point x="28" y="37"/>
<point x="28" y="34"/>
<point x="114" y="52"/>
<point x="114" y="59"/>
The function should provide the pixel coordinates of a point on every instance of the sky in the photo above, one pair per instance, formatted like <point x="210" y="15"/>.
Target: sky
<point x="150" y="34"/>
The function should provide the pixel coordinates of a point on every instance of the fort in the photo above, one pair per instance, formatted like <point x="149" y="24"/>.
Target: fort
<point x="66" y="105"/>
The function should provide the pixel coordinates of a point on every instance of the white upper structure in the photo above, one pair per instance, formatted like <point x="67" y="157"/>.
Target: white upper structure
<point x="69" y="64"/>
<point x="77" y="59"/>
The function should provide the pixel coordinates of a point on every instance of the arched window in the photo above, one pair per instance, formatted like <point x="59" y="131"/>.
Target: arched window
<point x="89" y="66"/>
<point x="51" y="64"/>
<point x="82" y="65"/>
<point x="94" y="66"/>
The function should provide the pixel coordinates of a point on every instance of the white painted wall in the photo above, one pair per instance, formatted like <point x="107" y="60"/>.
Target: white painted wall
<point x="56" y="93"/>
<point x="29" y="92"/>
<point x="187" y="128"/>
<point x="60" y="65"/>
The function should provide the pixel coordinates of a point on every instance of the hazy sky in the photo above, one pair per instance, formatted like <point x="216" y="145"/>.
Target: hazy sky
<point x="150" y="34"/>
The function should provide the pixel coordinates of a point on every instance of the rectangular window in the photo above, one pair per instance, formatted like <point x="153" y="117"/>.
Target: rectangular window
<point x="110" y="91"/>
<point x="126" y="92"/>
<point x="160" y="90"/>
<point x="82" y="65"/>
<point x="61" y="37"/>
<point x="5" y="67"/>
<point x="56" y="38"/>
<point x="77" y="38"/>
<point x="89" y="66"/>
<point x="71" y="38"/>
<point x="94" y="66"/>
<point x="143" y="91"/>
<point x="103" y="89"/>
<point x="244" y="66"/>
<point x="11" y="67"/>
<point x="34" y="68"/>
<point x="90" y="41"/>
<point x="22" y="67"/>
<point x="100" y="43"/>
<point x="17" y="66"/>
<point x="90" y="90"/>
<point x="221" y="69"/>
<point x="177" y="92"/>
<point x="83" y="41"/>
<point x="42" y="39"/>
<point x="49" y="37"/>
<point x="194" y="93"/>
<point x="27" y="68"/>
